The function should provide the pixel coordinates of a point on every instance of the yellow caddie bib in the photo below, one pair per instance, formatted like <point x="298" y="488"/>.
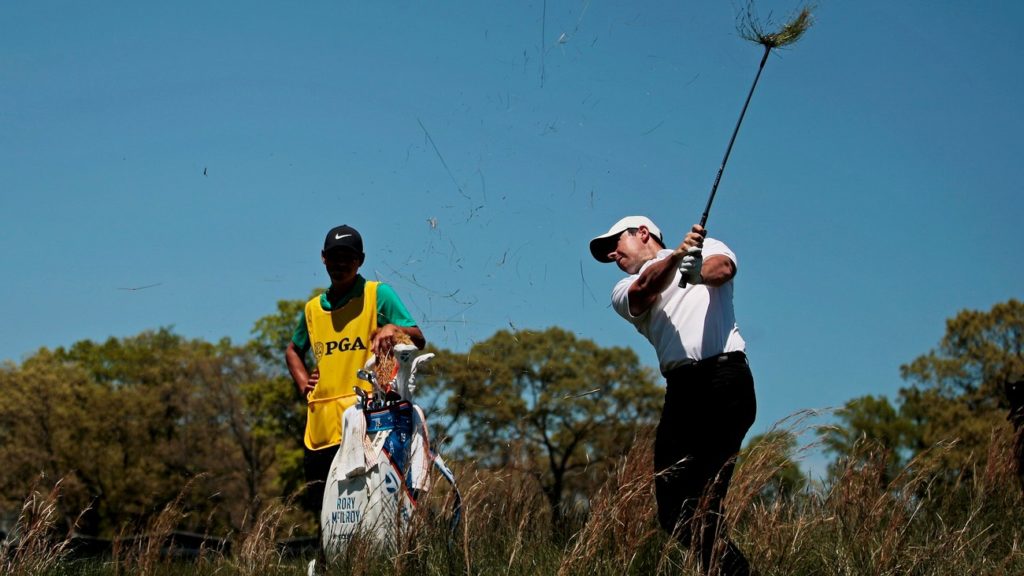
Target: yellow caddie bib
<point x="340" y="340"/>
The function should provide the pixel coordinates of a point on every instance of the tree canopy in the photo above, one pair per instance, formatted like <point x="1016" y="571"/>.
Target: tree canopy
<point x="128" y="422"/>
<point x="955" y="395"/>
<point x="557" y="407"/>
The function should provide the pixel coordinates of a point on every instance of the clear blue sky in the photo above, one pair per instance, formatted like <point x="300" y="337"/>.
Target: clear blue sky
<point x="199" y="151"/>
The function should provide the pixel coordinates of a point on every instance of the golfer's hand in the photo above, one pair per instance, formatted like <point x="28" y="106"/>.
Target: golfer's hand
<point x="690" y="266"/>
<point x="689" y="257"/>
<point x="695" y="237"/>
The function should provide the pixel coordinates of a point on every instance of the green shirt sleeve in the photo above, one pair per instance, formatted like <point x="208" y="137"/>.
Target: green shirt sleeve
<point x="300" y="337"/>
<point x="390" y="309"/>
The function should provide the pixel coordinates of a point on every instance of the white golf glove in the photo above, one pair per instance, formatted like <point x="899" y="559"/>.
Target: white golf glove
<point x="690" y="266"/>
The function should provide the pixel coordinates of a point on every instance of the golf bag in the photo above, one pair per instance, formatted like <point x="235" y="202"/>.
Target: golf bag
<point x="383" y="465"/>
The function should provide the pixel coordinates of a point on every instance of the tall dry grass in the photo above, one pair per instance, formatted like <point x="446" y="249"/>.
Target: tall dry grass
<point x="152" y="551"/>
<point x="35" y="544"/>
<point x="924" y="521"/>
<point x="621" y="530"/>
<point x="257" y="549"/>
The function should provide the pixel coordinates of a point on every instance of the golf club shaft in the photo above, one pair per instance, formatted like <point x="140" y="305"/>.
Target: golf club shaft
<point x="728" y="150"/>
<point x="736" y="130"/>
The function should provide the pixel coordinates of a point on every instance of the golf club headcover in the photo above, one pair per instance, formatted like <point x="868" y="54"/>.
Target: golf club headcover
<point x="405" y="380"/>
<point x="415" y="364"/>
<point x="690" y="267"/>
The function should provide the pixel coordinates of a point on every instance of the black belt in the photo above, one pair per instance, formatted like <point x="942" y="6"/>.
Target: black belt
<point x="704" y="363"/>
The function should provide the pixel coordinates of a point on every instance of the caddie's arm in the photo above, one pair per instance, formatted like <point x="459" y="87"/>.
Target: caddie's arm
<point x="659" y="276"/>
<point x="297" y="368"/>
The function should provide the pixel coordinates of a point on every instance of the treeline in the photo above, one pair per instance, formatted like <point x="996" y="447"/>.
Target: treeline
<point x="127" y="423"/>
<point x="956" y="398"/>
<point x="130" y="424"/>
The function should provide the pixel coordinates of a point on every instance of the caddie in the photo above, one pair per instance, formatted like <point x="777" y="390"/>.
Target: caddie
<point x="343" y="326"/>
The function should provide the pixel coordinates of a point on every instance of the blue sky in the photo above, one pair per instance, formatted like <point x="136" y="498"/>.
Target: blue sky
<point x="197" y="152"/>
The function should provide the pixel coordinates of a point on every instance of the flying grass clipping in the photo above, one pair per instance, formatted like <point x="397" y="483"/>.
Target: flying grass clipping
<point x="753" y="29"/>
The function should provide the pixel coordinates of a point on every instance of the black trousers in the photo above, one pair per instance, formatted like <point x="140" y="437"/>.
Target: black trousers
<point x="316" y="464"/>
<point x="709" y="406"/>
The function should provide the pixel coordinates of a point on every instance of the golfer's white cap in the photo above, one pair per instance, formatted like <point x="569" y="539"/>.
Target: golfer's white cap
<point x="605" y="243"/>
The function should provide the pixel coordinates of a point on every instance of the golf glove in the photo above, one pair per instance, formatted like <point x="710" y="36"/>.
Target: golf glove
<point x="690" y="266"/>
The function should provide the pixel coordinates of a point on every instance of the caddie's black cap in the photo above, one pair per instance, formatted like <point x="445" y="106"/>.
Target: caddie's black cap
<point x="343" y="236"/>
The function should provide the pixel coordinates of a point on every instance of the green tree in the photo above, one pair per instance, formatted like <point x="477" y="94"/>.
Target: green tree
<point x="273" y="332"/>
<point x="773" y="453"/>
<point x="244" y="457"/>
<point x="129" y="422"/>
<point x="45" y="421"/>
<point x="870" y="425"/>
<point x="282" y="413"/>
<point x="158" y="430"/>
<point x="956" y="392"/>
<point x="548" y="404"/>
<point x="955" y="396"/>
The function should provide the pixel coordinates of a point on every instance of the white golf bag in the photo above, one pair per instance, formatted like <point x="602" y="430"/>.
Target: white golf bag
<point x="384" y="463"/>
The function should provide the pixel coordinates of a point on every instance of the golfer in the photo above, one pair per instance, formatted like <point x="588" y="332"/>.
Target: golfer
<point x="343" y="326"/>
<point x="681" y="301"/>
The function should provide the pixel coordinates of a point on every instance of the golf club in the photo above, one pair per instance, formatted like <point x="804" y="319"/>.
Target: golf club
<point x="751" y="30"/>
<point x="368" y="376"/>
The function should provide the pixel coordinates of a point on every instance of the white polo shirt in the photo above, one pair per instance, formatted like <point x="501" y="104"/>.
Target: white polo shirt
<point x="685" y="324"/>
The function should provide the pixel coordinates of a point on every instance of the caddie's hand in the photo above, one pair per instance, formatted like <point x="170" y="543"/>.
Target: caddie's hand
<point x="311" y="382"/>
<point x="384" y="340"/>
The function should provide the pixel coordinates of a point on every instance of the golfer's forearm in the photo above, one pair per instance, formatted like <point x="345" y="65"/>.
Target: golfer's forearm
<point x="717" y="270"/>
<point x="652" y="282"/>
<point x="659" y="276"/>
